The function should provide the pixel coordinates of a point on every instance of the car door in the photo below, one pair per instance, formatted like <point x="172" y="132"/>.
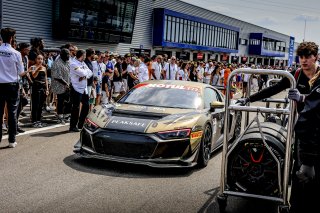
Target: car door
<point x="216" y="117"/>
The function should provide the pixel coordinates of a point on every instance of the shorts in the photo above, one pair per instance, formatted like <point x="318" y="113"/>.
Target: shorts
<point x="92" y="101"/>
<point x="98" y="89"/>
<point x="104" y="98"/>
<point x="118" y="87"/>
<point x="239" y="78"/>
<point x="245" y="84"/>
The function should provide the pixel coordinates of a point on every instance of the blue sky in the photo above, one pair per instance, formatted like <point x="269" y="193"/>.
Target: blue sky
<point x="284" y="16"/>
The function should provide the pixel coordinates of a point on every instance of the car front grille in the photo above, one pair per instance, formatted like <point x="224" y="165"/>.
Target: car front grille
<point x="124" y="144"/>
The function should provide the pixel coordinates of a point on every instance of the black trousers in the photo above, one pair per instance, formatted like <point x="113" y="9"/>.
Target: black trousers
<point x="38" y="97"/>
<point x="22" y="102"/>
<point x="9" y="93"/>
<point x="64" y="103"/>
<point x="303" y="195"/>
<point x="76" y="99"/>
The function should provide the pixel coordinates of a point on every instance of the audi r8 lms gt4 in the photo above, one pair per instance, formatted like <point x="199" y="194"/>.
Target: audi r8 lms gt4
<point x="159" y="124"/>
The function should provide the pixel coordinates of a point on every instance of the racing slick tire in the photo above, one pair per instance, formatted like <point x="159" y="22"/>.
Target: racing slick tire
<point x="205" y="147"/>
<point x="251" y="167"/>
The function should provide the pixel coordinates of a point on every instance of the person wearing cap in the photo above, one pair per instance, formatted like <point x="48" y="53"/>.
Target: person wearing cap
<point x="11" y="67"/>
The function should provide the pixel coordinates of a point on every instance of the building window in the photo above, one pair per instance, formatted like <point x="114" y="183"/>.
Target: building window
<point x="96" y="20"/>
<point x="173" y="29"/>
<point x="181" y="30"/>
<point x="169" y="28"/>
<point x="245" y="42"/>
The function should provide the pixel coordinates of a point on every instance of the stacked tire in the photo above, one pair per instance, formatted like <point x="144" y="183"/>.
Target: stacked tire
<point x="251" y="167"/>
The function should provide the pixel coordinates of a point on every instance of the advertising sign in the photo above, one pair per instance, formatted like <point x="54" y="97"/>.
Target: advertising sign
<point x="291" y="50"/>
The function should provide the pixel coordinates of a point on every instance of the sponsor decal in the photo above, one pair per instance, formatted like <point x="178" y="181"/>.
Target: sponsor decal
<point x="169" y="86"/>
<point x="128" y="124"/>
<point x="172" y="86"/>
<point x="196" y="135"/>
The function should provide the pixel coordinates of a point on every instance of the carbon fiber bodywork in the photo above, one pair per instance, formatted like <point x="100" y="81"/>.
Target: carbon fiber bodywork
<point x="131" y="133"/>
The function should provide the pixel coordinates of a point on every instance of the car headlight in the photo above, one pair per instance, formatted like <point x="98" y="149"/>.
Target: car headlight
<point x="174" y="134"/>
<point x="90" y="125"/>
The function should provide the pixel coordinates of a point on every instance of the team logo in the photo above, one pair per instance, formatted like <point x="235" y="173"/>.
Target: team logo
<point x="318" y="90"/>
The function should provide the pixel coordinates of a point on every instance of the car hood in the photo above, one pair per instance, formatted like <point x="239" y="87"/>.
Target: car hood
<point x="143" y="119"/>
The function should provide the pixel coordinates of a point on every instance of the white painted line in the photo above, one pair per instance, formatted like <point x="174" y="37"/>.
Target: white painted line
<point x="36" y="130"/>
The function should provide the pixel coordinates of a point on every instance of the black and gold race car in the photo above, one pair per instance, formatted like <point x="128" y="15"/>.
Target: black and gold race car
<point x="159" y="124"/>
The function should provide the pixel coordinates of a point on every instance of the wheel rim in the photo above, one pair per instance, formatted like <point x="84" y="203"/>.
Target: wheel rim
<point x="207" y="143"/>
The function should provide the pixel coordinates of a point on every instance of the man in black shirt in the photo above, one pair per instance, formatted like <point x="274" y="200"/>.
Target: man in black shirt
<point x="307" y="52"/>
<point x="117" y="79"/>
<point x="125" y="64"/>
<point x="302" y="76"/>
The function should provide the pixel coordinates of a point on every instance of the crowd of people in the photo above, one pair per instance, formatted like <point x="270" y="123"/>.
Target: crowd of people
<point x="92" y="77"/>
<point x="75" y="80"/>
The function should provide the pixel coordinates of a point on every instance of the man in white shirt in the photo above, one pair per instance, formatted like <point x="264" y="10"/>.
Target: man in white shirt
<point x="143" y="74"/>
<point x="207" y="73"/>
<point x="99" y="69"/>
<point x="171" y="69"/>
<point x="79" y="73"/>
<point x="156" y="68"/>
<point x="200" y="72"/>
<point x="11" y="67"/>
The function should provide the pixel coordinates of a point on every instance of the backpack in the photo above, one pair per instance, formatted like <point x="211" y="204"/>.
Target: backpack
<point x="297" y="74"/>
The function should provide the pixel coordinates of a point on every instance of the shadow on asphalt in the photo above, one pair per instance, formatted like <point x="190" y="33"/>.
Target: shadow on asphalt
<point x="5" y="147"/>
<point x="237" y="204"/>
<point x="115" y="169"/>
<point x="49" y="134"/>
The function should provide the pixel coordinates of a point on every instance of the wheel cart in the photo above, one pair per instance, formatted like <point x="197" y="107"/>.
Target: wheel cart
<point x="257" y="163"/>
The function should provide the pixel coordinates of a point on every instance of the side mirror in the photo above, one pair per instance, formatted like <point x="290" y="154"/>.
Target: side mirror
<point x="216" y="105"/>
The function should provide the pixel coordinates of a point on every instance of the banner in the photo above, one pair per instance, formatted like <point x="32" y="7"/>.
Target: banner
<point x="291" y="50"/>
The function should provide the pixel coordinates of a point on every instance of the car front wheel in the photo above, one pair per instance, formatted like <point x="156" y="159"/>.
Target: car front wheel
<point x="205" y="147"/>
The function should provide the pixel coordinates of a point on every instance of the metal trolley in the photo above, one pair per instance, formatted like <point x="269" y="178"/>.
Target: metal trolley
<point x="283" y="167"/>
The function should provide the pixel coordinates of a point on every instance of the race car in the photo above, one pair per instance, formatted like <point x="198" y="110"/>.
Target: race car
<point x="159" y="124"/>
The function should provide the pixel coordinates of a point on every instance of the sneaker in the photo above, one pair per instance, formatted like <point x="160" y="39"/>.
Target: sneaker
<point x="12" y="145"/>
<point x="61" y="120"/>
<point x="4" y="127"/>
<point x="48" y="109"/>
<point x="23" y="114"/>
<point x="37" y="124"/>
<point x="74" y="129"/>
<point x="20" y="130"/>
<point x="42" y="124"/>
<point x="67" y="118"/>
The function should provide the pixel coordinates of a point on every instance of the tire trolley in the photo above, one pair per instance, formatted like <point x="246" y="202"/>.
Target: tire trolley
<point x="257" y="163"/>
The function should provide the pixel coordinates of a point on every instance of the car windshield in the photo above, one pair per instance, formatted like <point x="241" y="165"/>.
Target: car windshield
<point x="163" y="95"/>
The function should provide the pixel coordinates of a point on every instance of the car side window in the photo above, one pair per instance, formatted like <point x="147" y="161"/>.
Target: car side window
<point x="209" y="96"/>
